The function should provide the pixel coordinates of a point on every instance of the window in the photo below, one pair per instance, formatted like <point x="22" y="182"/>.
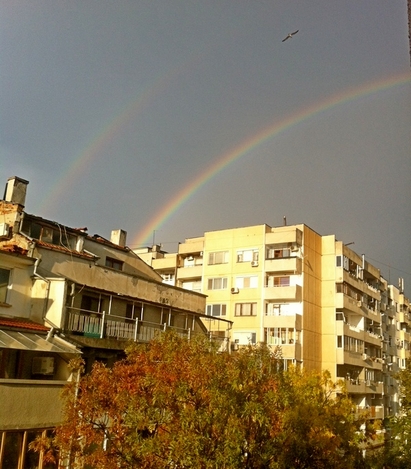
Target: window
<point x="216" y="310"/>
<point x="281" y="336"/>
<point x="220" y="257"/>
<point x="90" y="304"/>
<point x="246" y="309"/>
<point x="280" y="309"/>
<point x="4" y="284"/>
<point x="168" y="278"/>
<point x="247" y="256"/>
<point x="282" y="281"/>
<point x="247" y="282"/>
<point x="218" y="283"/>
<point x="278" y="253"/>
<point x="114" y="263"/>
<point x="338" y="261"/>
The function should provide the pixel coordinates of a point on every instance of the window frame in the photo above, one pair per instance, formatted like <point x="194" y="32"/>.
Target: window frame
<point x="4" y="297"/>
<point x="240" y="309"/>
<point x="222" y="307"/>
<point x="247" y="255"/>
<point x="246" y="281"/>
<point x="112" y="263"/>
<point x="211" y="283"/>
<point x="213" y="257"/>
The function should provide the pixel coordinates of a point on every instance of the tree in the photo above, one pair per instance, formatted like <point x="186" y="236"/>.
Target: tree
<point x="398" y="453"/>
<point x="180" y="404"/>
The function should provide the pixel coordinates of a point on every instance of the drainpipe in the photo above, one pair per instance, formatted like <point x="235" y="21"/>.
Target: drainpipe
<point x="46" y="300"/>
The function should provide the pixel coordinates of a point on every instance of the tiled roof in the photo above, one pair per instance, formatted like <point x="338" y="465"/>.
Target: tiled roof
<point x="22" y="323"/>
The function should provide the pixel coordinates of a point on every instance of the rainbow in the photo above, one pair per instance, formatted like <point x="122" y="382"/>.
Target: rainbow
<point x="109" y="132"/>
<point x="222" y="161"/>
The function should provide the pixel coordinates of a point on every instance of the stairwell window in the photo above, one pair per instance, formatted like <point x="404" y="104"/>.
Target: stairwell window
<point x="5" y="275"/>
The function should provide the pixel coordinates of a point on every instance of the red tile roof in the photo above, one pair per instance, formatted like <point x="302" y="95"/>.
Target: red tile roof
<point x="22" y="323"/>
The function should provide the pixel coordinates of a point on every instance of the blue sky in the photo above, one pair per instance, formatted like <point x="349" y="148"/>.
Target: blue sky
<point x="110" y="109"/>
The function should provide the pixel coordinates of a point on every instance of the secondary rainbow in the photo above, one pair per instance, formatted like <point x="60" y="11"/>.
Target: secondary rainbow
<point x="222" y="161"/>
<point x="109" y="132"/>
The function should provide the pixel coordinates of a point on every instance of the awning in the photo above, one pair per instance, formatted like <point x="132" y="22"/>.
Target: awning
<point x="34" y="342"/>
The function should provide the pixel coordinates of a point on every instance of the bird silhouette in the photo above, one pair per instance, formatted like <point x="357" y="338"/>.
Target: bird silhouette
<point x="290" y="35"/>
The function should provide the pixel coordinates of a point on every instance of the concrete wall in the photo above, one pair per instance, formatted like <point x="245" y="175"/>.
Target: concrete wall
<point x="27" y="404"/>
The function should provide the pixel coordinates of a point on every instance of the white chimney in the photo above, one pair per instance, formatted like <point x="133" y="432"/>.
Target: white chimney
<point x="119" y="237"/>
<point x="15" y="191"/>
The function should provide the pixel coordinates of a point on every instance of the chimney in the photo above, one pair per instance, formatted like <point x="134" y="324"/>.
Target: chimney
<point x="119" y="237"/>
<point x="15" y="191"/>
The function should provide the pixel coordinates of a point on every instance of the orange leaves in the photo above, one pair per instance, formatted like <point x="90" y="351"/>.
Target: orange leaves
<point x="182" y="404"/>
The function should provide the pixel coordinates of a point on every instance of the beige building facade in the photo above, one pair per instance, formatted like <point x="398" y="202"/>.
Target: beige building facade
<point x="326" y="306"/>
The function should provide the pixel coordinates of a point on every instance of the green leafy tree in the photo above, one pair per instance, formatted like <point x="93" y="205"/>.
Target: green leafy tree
<point x="180" y="404"/>
<point x="398" y="453"/>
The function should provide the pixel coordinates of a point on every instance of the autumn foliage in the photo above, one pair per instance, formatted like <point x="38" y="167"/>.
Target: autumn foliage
<point x="179" y="404"/>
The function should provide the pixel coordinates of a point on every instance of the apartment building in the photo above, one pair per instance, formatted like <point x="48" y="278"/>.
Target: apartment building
<point x="326" y="306"/>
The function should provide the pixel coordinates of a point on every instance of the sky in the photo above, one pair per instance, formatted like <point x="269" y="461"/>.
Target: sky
<point x="170" y="118"/>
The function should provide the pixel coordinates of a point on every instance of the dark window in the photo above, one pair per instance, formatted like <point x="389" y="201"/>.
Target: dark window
<point x="89" y="303"/>
<point x="114" y="263"/>
<point x="4" y="284"/>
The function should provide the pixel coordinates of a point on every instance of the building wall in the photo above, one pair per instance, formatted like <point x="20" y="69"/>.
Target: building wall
<point x="19" y="291"/>
<point x="27" y="404"/>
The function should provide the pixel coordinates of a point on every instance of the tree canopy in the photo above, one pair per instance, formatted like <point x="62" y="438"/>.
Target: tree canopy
<point x="180" y="404"/>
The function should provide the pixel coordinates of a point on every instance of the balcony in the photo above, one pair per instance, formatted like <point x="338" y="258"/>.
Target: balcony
<point x="288" y="351"/>
<point x="194" y="246"/>
<point x="372" y="412"/>
<point x="284" y="264"/>
<point x="192" y="272"/>
<point x="290" y="293"/>
<point x="94" y="325"/>
<point x="290" y="321"/>
<point x="284" y="235"/>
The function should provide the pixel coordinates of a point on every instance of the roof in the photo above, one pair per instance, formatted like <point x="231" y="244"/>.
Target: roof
<point x="34" y="342"/>
<point x="22" y="323"/>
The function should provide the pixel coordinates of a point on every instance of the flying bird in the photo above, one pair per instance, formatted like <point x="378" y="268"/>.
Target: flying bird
<point x="290" y="35"/>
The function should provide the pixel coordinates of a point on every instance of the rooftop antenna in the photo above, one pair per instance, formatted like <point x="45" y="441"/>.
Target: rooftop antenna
<point x="285" y="220"/>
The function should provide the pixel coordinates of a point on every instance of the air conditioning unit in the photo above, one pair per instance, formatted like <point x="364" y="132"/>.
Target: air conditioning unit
<point x="359" y="303"/>
<point x="294" y="248"/>
<point x="254" y="263"/>
<point x="364" y="356"/>
<point x="235" y="290"/>
<point x="190" y="258"/>
<point x="4" y="230"/>
<point x="165" y="301"/>
<point x="42" y="366"/>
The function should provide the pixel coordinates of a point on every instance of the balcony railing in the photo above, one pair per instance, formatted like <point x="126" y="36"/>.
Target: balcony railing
<point x="99" y="325"/>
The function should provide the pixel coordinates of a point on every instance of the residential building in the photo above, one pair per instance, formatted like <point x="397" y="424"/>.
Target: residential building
<point x="327" y="307"/>
<point x="33" y="367"/>
<point x="62" y="292"/>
